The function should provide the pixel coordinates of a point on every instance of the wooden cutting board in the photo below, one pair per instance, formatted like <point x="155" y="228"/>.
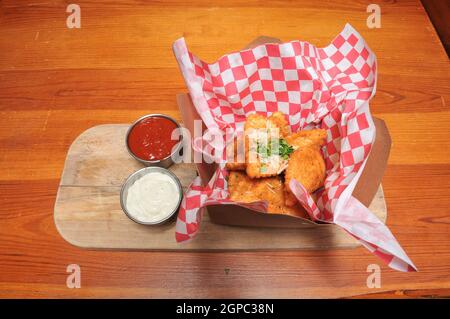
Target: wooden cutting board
<point x="88" y="212"/>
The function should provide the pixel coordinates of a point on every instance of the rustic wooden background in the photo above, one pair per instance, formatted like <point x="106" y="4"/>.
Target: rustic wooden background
<point x="439" y="13"/>
<point x="56" y="82"/>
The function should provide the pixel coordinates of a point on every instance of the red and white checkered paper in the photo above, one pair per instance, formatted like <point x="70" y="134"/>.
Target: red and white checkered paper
<point x="325" y="88"/>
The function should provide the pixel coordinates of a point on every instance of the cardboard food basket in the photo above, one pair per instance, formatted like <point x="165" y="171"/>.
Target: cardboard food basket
<point x="326" y="87"/>
<point x="365" y="189"/>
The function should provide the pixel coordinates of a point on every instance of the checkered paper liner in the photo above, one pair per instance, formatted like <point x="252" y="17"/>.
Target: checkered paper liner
<point x="326" y="88"/>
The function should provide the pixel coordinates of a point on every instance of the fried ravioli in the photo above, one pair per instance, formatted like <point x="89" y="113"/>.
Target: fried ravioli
<point x="247" y="190"/>
<point x="307" y="138"/>
<point x="307" y="166"/>
<point x="235" y="155"/>
<point x="270" y="148"/>
<point x="262" y="135"/>
<point x="278" y="119"/>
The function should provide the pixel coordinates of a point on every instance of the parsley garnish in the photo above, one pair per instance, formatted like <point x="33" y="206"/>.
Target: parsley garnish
<point x="285" y="149"/>
<point x="274" y="147"/>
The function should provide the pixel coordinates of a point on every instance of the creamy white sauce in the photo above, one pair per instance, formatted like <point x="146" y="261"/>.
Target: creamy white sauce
<point x="152" y="197"/>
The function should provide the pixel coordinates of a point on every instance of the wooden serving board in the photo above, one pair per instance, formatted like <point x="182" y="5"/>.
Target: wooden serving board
<point x="88" y="212"/>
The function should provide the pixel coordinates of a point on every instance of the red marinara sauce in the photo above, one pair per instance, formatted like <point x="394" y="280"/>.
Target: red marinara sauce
<point x="150" y="139"/>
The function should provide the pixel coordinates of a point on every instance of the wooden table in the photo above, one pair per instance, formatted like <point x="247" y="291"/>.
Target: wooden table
<point x="56" y="82"/>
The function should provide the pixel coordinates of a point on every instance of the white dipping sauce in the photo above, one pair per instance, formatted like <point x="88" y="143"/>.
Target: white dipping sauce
<point x="152" y="197"/>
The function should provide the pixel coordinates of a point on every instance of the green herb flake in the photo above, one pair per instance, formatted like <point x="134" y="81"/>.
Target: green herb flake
<point x="285" y="149"/>
<point x="263" y="168"/>
<point x="274" y="147"/>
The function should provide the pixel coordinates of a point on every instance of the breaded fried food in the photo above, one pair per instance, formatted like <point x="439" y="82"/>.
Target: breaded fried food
<point x="273" y="166"/>
<point x="279" y="120"/>
<point x="235" y="155"/>
<point x="307" y="166"/>
<point x="255" y="121"/>
<point x="233" y="166"/>
<point x="276" y="120"/>
<point x="306" y="138"/>
<point x="262" y="136"/>
<point x="247" y="190"/>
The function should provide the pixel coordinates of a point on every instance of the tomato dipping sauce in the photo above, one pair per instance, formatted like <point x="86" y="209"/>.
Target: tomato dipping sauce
<point x="150" y="138"/>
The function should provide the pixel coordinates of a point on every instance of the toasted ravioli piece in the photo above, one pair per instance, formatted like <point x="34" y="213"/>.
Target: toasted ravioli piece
<point x="273" y="166"/>
<point x="261" y="134"/>
<point x="235" y="166"/>
<point x="307" y="166"/>
<point x="295" y="210"/>
<point x="278" y="119"/>
<point x="316" y="137"/>
<point x="255" y="121"/>
<point x="247" y="190"/>
<point x="235" y="155"/>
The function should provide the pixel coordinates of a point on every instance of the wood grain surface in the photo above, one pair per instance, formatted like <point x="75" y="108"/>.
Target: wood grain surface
<point x="57" y="82"/>
<point x="88" y="212"/>
<point x="439" y="13"/>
